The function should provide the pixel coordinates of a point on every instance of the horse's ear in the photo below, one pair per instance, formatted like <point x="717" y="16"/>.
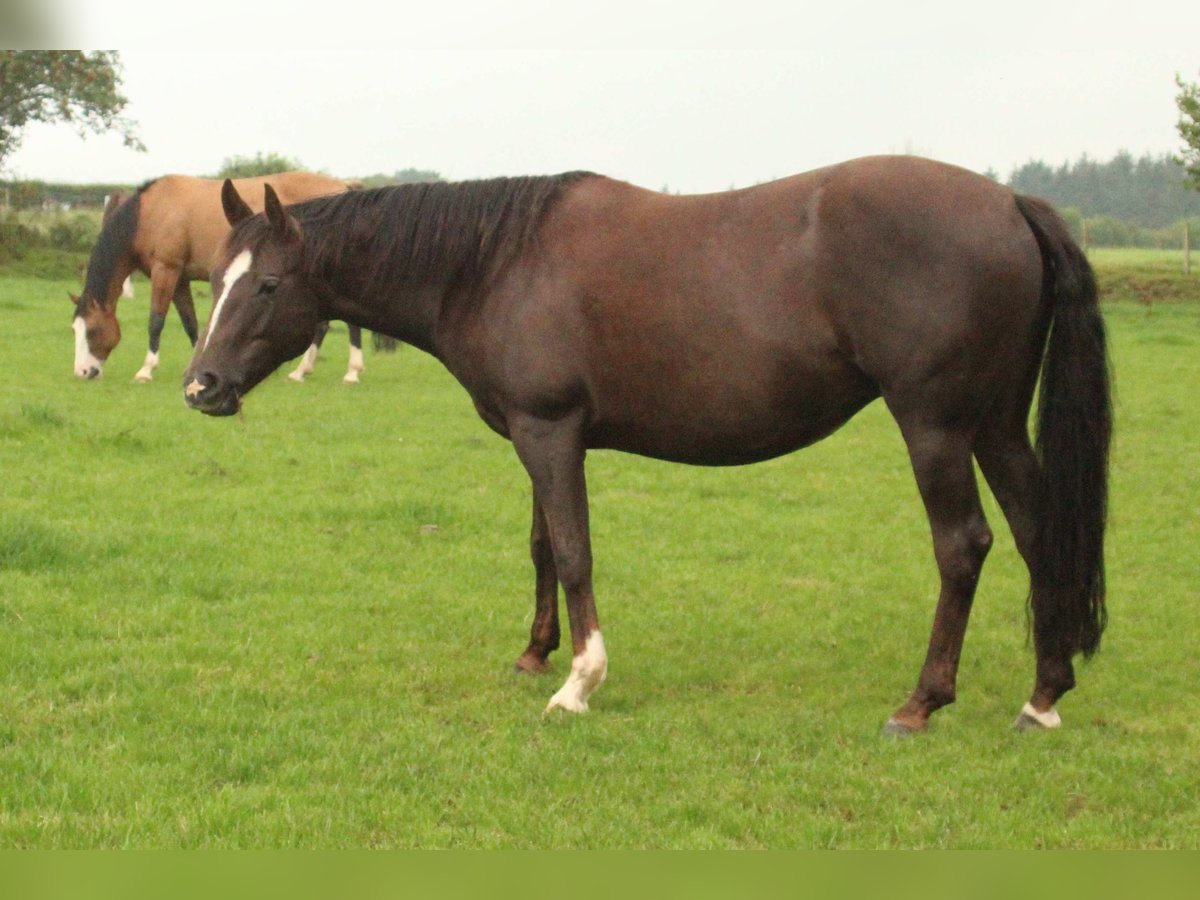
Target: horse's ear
<point x="236" y="209"/>
<point x="284" y="226"/>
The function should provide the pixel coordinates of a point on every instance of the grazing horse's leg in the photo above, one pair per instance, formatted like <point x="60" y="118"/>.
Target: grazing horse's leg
<point x="309" y="360"/>
<point x="186" y="307"/>
<point x="544" y="635"/>
<point x="941" y="459"/>
<point x="1014" y="474"/>
<point x="553" y="454"/>
<point x="356" y="357"/>
<point x="164" y="281"/>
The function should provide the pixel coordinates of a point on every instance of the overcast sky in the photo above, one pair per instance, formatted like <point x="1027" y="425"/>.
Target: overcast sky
<point x="689" y="94"/>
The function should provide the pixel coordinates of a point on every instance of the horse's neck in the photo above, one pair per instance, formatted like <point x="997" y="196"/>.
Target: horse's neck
<point x="409" y="315"/>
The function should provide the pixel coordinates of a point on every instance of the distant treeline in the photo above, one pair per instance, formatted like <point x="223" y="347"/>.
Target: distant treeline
<point x="1124" y="201"/>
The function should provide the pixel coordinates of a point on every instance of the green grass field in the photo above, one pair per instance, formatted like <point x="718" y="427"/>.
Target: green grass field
<point x="245" y="633"/>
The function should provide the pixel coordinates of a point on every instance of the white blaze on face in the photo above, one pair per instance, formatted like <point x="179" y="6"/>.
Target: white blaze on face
<point x="235" y="270"/>
<point x="85" y="362"/>
<point x="588" y="669"/>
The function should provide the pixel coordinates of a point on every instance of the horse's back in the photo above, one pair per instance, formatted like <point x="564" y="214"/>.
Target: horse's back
<point x="182" y="222"/>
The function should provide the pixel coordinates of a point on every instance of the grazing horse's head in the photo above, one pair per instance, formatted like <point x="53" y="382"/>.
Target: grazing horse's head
<point x="265" y="311"/>
<point x="97" y="332"/>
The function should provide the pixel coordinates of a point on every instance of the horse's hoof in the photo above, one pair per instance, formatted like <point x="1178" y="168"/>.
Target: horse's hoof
<point x="143" y="377"/>
<point x="1032" y="720"/>
<point x="350" y="378"/>
<point x="297" y="377"/>
<point x="531" y="664"/>
<point x="897" y="729"/>
<point x="566" y="703"/>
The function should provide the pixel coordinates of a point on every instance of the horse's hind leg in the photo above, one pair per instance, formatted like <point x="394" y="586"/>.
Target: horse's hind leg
<point x="309" y="360"/>
<point x="545" y="633"/>
<point x="355" y="366"/>
<point x="941" y="459"/>
<point x="1014" y="475"/>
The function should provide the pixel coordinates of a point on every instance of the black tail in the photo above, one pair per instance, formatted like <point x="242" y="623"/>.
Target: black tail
<point x="383" y="342"/>
<point x="1074" y="427"/>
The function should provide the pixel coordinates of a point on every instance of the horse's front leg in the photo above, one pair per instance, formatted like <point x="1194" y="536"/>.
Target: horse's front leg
<point x="164" y="280"/>
<point x="553" y="454"/>
<point x="185" y="305"/>
<point x="544" y="635"/>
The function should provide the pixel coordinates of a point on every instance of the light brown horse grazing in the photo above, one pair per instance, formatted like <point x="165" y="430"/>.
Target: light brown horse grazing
<point x="170" y="230"/>
<point x="723" y="329"/>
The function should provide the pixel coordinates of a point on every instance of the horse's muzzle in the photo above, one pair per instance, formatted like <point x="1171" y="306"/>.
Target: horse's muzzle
<point x="211" y="395"/>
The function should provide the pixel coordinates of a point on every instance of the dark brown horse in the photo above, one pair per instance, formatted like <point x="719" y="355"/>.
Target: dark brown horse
<point x="170" y="230"/>
<point x="723" y="329"/>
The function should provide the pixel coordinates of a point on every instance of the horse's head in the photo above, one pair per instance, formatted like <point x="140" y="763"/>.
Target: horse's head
<point x="266" y="307"/>
<point x="97" y="332"/>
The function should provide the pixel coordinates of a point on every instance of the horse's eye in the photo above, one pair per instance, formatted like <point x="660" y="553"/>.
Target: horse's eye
<point x="268" y="285"/>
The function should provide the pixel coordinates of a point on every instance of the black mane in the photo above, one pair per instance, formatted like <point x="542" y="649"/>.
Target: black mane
<point x="115" y="240"/>
<point x="455" y="233"/>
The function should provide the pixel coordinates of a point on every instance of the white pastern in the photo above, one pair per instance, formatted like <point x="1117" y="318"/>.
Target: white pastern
<point x="85" y="362"/>
<point x="308" y="362"/>
<point x="1048" y="719"/>
<point x="355" y="366"/>
<point x="235" y="270"/>
<point x="588" y="669"/>
<point x="146" y="372"/>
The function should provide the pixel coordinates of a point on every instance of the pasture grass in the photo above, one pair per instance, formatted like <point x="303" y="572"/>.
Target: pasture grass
<point x="296" y="629"/>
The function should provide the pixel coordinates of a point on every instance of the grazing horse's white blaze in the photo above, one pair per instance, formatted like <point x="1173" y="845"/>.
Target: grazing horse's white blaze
<point x="235" y="270"/>
<point x="1048" y="719"/>
<point x="85" y="362"/>
<point x="127" y="287"/>
<point x="587" y="671"/>
<point x="146" y="372"/>
<point x="356" y="366"/>
<point x="307" y="363"/>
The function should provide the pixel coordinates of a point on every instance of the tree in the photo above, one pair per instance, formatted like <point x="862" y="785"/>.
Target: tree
<point x="249" y="167"/>
<point x="72" y="86"/>
<point x="1188" y="101"/>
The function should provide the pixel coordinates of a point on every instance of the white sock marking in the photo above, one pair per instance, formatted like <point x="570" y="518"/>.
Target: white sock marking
<point x="308" y="362"/>
<point x="84" y="360"/>
<point x="354" y="367"/>
<point x="235" y="270"/>
<point x="1048" y="719"/>
<point x="588" y="669"/>
<point x="146" y="372"/>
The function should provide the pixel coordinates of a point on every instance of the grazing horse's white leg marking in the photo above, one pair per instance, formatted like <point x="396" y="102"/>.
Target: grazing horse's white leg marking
<point x="356" y="366"/>
<point x="587" y="671"/>
<point x="146" y="373"/>
<point x="307" y="363"/>
<point x="86" y="365"/>
<point x="237" y="268"/>
<point x="1031" y="718"/>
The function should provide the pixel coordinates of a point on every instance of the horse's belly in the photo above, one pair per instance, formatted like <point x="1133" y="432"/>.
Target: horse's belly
<point x="727" y="430"/>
